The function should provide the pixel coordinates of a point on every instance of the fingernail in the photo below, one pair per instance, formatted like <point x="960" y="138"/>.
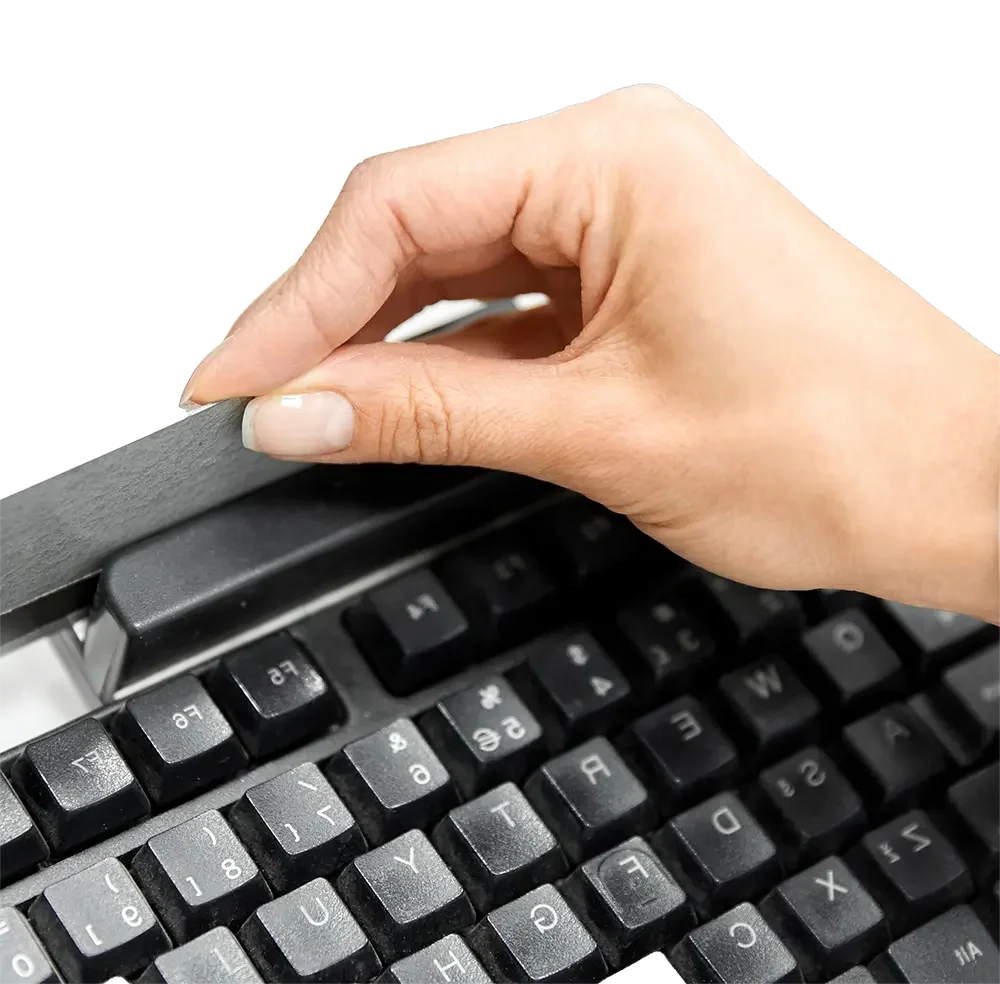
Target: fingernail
<point x="303" y="426"/>
<point x="186" y="403"/>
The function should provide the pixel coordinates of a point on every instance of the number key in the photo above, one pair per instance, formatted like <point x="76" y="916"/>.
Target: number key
<point x="213" y="958"/>
<point x="21" y="958"/>
<point x="21" y="845"/>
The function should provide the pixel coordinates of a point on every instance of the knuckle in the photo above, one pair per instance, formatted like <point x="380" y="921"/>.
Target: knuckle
<point x="422" y="426"/>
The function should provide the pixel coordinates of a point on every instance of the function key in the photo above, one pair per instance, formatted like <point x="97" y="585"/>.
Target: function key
<point x="975" y="803"/>
<point x="78" y="786"/>
<point x="21" y="958"/>
<point x="21" y="845"/>
<point x="969" y="695"/>
<point x="445" y="962"/>
<point x="212" y="958"/>
<point x="296" y="827"/>
<point x="392" y="781"/>
<point x="591" y="540"/>
<point x="412" y="630"/>
<point x="177" y="740"/>
<point x="931" y="636"/>
<point x="96" y="924"/>
<point x="747" y="616"/>
<point x="485" y="735"/>
<point x="274" y="695"/>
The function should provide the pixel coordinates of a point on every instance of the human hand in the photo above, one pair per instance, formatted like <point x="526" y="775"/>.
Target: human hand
<point x="716" y="363"/>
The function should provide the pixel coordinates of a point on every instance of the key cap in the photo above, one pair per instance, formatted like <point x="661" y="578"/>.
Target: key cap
<point x="404" y="896"/>
<point x="975" y="801"/>
<point x="896" y="752"/>
<point x="744" y="615"/>
<point x="78" y="786"/>
<point x="198" y="876"/>
<point x="21" y="958"/>
<point x="537" y="938"/>
<point x="212" y="958"/>
<point x="274" y="695"/>
<point x="448" y="961"/>
<point x="855" y="975"/>
<point x="683" y="750"/>
<point x="498" y="847"/>
<point x="177" y="740"/>
<point x="591" y="542"/>
<point x="392" y="781"/>
<point x="911" y="869"/>
<point x="21" y="845"/>
<point x="852" y="659"/>
<point x="412" y="631"/>
<point x="736" y="947"/>
<point x="578" y="689"/>
<point x="928" y="636"/>
<point x="630" y="902"/>
<point x="815" y="809"/>
<point x="296" y="827"/>
<point x="309" y="935"/>
<point x="485" y="735"/>
<point x="970" y="696"/>
<point x="770" y="703"/>
<point x="590" y="798"/>
<point x="722" y="850"/>
<point x="954" y="948"/>
<point x="826" y="918"/>
<point x="96" y="923"/>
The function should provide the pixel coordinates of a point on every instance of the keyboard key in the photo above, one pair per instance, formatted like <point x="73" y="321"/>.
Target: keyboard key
<point x="78" y="786"/>
<point x="578" y="689"/>
<point x="198" y="876"/>
<point x="448" y="961"/>
<point x="212" y="958"/>
<point x="97" y="924"/>
<point x="392" y="781"/>
<point x="970" y="695"/>
<point x="591" y="541"/>
<point x="296" y="827"/>
<point x="498" y="847"/>
<point x="748" y="616"/>
<point x="954" y="948"/>
<point x="975" y="802"/>
<point x="21" y="958"/>
<point x="274" y="695"/>
<point x="723" y="852"/>
<point x="911" y="869"/>
<point x="827" y="919"/>
<point x="485" y="735"/>
<point x="683" y="751"/>
<point x="412" y="631"/>
<point x="21" y="845"/>
<point x="770" y="703"/>
<point x="855" y="975"/>
<point x="404" y="896"/>
<point x="815" y="809"/>
<point x="590" y="798"/>
<point x="736" y="947"/>
<point x="896" y="751"/>
<point x="177" y="740"/>
<point x="931" y="636"/>
<point x="630" y="901"/>
<point x="308" y="935"/>
<point x="537" y="938"/>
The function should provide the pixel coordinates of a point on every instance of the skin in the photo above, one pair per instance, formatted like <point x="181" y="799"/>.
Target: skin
<point x="716" y="364"/>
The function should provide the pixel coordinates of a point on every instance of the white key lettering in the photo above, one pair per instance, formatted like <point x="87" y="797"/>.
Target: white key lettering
<point x="455" y="963"/>
<point x="725" y="821"/>
<point x="89" y="928"/>
<point x="544" y="917"/>
<point x="397" y="742"/>
<point x="515" y="730"/>
<point x="910" y="833"/>
<point x="764" y="682"/>
<point x="489" y="697"/>
<point x="211" y="836"/>
<point x="830" y="885"/>
<point x="111" y="885"/>
<point x="409" y="864"/>
<point x="197" y="891"/>
<point x="967" y="953"/>
<point x="307" y="785"/>
<point x="295" y="833"/>
<point x="487" y="739"/>
<point x="634" y="865"/>
<point x="811" y="772"/>
<point x="22" y="965"/>
<point x="420" y="774"/>
<point x="893" y="730"/>
<point x="848" y="637"/>
<point x="324" y="812"/>
<point x="501" y="808"/>
<point x="601" y="685"/>
<point x="131" y="916"/>
<point x="322" y="919"/>
<point x="86" y="763"/>
<point x="686" y="724"/>
<point x="592" y="766"/>
<point x="744" y="934"/>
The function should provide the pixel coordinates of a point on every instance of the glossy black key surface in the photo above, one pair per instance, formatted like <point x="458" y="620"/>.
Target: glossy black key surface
<point x="274" y="695"/>
<point x="412" y="631"/>
<point x="392" y="781"/>
<point x="954" y="948"/>
<point x="309" y="935"/>
<point x="770" y="703"/>
<point x="198" y="875"/>
<point x="749" y="616"/>
<point x="485" y="735"/>
<point x="214" y="957"/>
<point x="814" y="808"/>
<point x="296" y="827"/>
<point x="723" y="852"/>
<point x="683" y="751"/>
<point x="827" y="919"/>
<point x="912" y="870"/>
<point x="975" y="804"/>
<point x="447" y="961"/>
<point x="177" y="740"/>
<point x="21" y="958"/>
<point x="404" y="896"/>
<point x="629" y="900"/>
<point x="931" y="636"/>
<point x="498" y="847"/>
<point x="737" y="947"/>
<point x="896" y="752"/>
<point x="970" y="695"/>
<point x="21" y="845"/>
<point x="537" y="938"/>
<point x="590" y="540"/>
<point x="77" y="785"/>
<point x="590" y="798"/>
<point x="96" y="924"/>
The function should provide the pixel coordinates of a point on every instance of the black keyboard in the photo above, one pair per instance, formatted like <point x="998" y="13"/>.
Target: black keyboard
<point x="548" y="751"/>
